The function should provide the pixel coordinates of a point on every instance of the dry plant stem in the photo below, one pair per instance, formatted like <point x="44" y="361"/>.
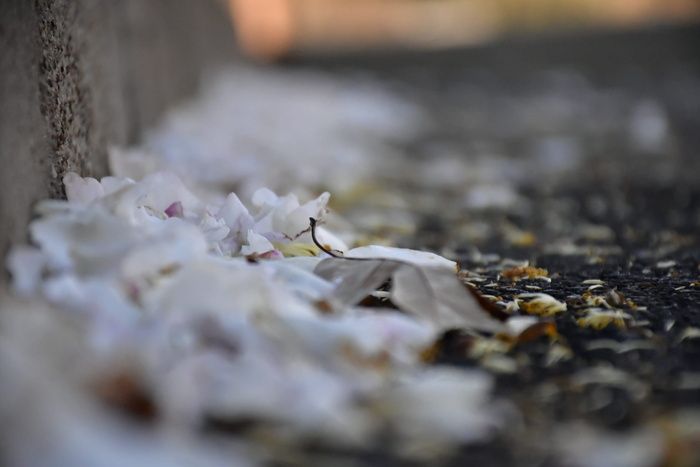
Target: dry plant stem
<point x="313" y="223"/>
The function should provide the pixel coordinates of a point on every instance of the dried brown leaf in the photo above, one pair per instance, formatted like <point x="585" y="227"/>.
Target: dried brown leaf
<point x="435" y="293"/>
<point x="356" y="278"/>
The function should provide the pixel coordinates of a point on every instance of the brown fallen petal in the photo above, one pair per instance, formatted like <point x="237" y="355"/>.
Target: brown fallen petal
<point x="537" y="330"/>
<point x="372" y="301"/>
<point x="124" y="391"/>
<point x="324" y="307"/>
<point x="488" y="306"/>
<point x="454" y="344"/>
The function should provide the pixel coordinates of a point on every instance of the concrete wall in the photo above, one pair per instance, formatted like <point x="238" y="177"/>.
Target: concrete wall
<point x="79" y="75"/>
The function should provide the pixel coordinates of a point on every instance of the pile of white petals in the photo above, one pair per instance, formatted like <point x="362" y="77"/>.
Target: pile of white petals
<point x="218" y="323"/>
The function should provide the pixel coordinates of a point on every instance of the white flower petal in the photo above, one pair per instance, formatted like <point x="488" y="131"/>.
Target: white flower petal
<point x="297" y="220"/>
<point x="213" y="230"/>
<point x="87" y="242"/>
<point x="257" y="244"/>
<point x="173" y="244"/>
<point x="26" y="264"/>
<point x="422" y="258"/>
<point x="235" y="214"/>
<point x="82" y="190"/>
<point x="445" y="405"/>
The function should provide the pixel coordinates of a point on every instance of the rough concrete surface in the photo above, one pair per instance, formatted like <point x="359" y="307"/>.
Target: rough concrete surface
<point x="78" y="76"/>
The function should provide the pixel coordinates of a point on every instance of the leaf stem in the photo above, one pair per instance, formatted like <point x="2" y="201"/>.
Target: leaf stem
<point x="313" y="222"/>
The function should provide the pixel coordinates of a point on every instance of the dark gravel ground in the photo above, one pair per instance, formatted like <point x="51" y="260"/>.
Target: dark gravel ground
<point x="626" y="212"/>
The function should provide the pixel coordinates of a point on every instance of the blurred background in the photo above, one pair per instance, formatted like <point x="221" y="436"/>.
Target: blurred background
<point x="270" y="29"/>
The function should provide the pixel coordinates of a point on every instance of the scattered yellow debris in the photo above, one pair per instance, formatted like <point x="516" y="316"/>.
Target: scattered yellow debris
<point x="291" y="250"/>
<point x="524" y="272"/>
<point x="540" y="304"/>
<point x="600" y="318"/>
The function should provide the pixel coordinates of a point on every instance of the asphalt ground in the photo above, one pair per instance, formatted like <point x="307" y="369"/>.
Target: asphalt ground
<point x="584" y="158"/>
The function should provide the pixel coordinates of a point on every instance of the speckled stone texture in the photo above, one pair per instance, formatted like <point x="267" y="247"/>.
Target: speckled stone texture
<point x="78" y="76"/>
